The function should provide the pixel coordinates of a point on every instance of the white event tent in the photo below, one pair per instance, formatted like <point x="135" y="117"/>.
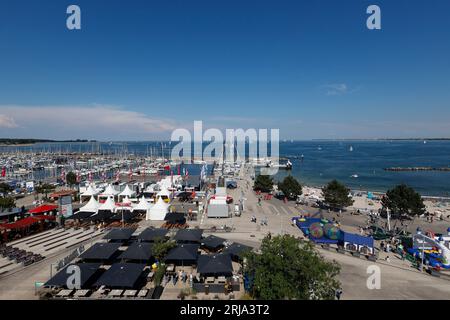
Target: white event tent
<point x="158" y="211"/>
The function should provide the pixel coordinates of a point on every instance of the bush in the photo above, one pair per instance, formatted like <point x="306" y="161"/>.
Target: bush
<point x="263" y="183"/>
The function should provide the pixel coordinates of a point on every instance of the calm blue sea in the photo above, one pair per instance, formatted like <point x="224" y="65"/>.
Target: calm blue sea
<point x="324" y="160"/>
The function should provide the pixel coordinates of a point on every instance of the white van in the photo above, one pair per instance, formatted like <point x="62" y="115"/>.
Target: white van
<point x="237" y="210"/>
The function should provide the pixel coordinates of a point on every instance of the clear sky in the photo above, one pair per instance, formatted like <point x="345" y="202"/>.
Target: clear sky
<point x="138" y="69"/>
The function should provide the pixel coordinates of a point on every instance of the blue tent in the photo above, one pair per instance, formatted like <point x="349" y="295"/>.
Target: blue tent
<point x="356" y="239"/>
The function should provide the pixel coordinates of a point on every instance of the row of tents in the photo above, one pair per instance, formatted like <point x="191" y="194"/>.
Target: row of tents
<point x="94" y="210"/>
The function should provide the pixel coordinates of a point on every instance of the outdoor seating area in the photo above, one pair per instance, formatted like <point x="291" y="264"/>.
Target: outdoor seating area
<point x="123" y="266"/>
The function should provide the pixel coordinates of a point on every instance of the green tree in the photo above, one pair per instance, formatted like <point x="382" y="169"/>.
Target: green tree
<point x="45" y="189"/>
<point x="289" y="269"/>
<point x="160" y="248"/>
<point x="337" y="195"/>
<point x="263" y="183"/>
<point x="7" y="203"/>
<point x="290" y="187"/>
<point x="71" y="179"/>
<point x="5" y="188"/>
<point x="403" y="200"/>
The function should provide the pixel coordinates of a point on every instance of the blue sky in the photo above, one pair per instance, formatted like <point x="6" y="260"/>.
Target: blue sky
<point x="138" y="69"/>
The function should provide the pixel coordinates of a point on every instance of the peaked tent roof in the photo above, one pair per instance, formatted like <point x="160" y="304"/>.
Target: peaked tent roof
<point x="164" y="192"/>
<point x="235" y="250"/>
<point x="87" y="274"/>
<point x="91" y="206"/>
<point x="138" y="251"/>
<point x="158" y="211"/>
<point x="100" y="251"/>
<point x="110" y="191"/>
<point x="143" y="205"/>
<point x="213" y="242"/>
<point x="127" y="192"/>
<point x="192" y="235"/>
<point x="152" y="234"/>
<point x="108" y="205"/>
<point x="183" y="252"/>
<point x="121" y="275"/>
<point x="218" y="264"/>
<point x="90" y="191"/>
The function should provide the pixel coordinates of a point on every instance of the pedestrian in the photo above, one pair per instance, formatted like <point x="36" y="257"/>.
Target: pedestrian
<point x="338" y="294"/>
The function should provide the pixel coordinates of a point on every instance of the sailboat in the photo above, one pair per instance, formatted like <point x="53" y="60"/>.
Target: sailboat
<point x="351" y="148"/>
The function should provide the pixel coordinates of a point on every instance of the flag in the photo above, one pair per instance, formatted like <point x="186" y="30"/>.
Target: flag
<point x="78" y="176"/>
<point x="117" y="176"/>
<point x="178" y="169"/>
<point x="4" y="172"/>
<point x="203" y="173"/>
<point x="63" y="175"/>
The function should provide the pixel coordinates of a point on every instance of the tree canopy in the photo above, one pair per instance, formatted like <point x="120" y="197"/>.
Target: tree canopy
<point x="288" y="269"/>
<point x="161" y="247"/>
<point x="5" y="188"/>
<point x="44" y="188"/>
<point x="336" y="195"/>
<point x="71" y="178"/>
<point x="290" y="187"/>
<point x="403" y="200"/>
<point x="263" y="183"/>
<point x="7" y="203"/>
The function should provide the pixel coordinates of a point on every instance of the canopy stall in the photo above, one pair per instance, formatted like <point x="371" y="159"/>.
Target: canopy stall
<point x="189" y="235"/>
<point x="122" y="276"/>
<point x="152" y="235"/>
<point x="215" y="265"/>
<point x="213" y="243"/>
<point x="109" y="192"/>
<point x="89" y="273"/>
<point x="43" y="209"/>
<point x="138" y="252"/>
<point x="143" y="206"/>
<point x="183" y="254"/>
<point x="164" y="194"/>
<point x="237" y="251"/>
<point x="105" y="211"/>
<point x="158" y="211"/>
<point x="91" y="206"/>
<point x="126" y="193"/>
<point x="100" y="251"/>
<point x="90" y="192"/>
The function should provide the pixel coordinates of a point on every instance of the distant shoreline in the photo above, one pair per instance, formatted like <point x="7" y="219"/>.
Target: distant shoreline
<point x="7" y="142"/>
